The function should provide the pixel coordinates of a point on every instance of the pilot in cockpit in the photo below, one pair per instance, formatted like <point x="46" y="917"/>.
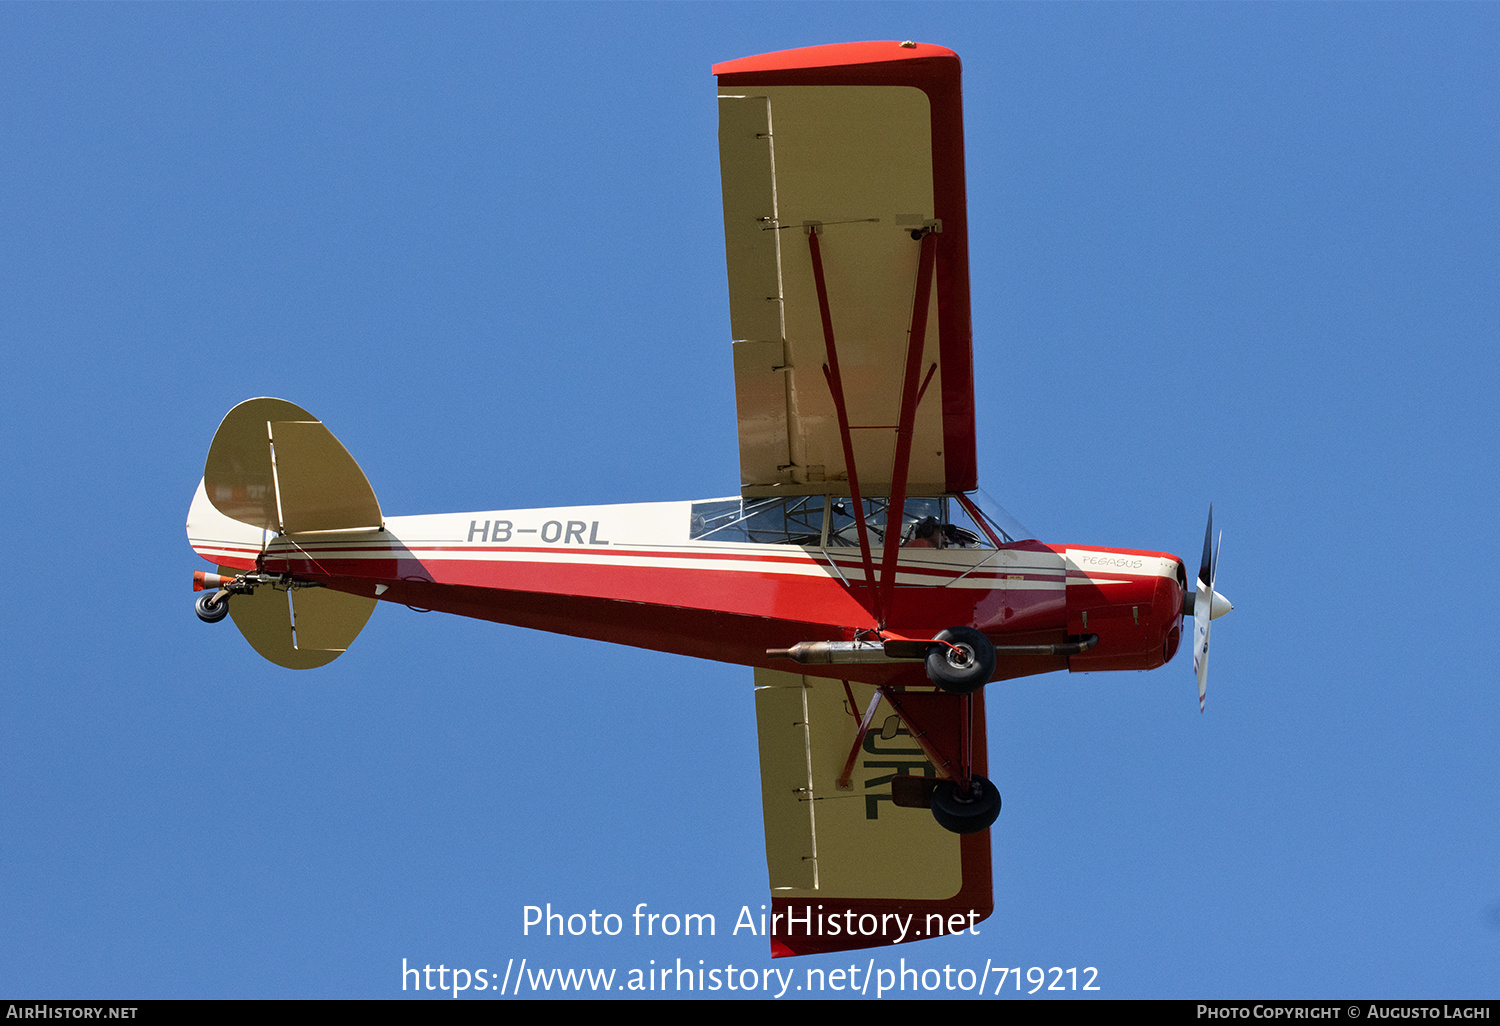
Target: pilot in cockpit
<point x="927" y="533"/>
<point x="932" y="533"/>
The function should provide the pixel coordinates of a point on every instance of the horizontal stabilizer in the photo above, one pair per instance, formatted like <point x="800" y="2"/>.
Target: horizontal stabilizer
<point x="274" y="466"/>
<point x="299" y="628"/>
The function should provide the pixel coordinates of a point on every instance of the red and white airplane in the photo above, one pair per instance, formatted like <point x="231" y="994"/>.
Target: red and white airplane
<point x="871" y="633"/>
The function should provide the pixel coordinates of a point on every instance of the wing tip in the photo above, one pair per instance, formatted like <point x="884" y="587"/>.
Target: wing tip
<point x="835" y="55"/>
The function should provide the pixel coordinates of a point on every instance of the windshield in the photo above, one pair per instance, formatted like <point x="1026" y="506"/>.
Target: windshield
<point x="998" y="517"/>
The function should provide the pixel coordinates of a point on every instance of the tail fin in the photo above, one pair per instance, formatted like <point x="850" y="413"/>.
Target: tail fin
<point x="275" y="466"/>
<point x="273" y="469"/>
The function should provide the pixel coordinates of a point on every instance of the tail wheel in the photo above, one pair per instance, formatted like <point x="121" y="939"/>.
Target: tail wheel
<point x="961" y="660"/>
<point x="965" y="814"/>
<point x="212" y="606"/>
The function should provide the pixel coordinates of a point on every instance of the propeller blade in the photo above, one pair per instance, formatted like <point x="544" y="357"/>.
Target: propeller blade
<point x="1206" y="568"/>
<point x="1207" y="605"/>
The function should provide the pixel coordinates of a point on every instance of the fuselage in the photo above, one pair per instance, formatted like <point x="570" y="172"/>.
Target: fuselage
<point x="727" y="579"/>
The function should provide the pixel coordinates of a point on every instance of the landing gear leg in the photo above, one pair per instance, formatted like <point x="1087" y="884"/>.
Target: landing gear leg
<point x="213" y="605"/>
<point x="963" y="802"/>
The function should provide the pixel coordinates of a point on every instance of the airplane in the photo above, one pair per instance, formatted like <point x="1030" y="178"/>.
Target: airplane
<point x="873" y="590"/>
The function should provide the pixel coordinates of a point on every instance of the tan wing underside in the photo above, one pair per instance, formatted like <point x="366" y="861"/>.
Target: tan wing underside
<point x="858" y="160"/>
<point x="824" y="842"/>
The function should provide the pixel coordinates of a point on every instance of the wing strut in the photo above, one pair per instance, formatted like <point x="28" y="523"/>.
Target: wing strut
<point x="836" y="386"/>
<point x="846" y="778"/>
<point x="910" y="393"/>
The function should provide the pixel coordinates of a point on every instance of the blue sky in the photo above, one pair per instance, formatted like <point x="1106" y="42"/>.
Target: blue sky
<point x="1244" y="254"/>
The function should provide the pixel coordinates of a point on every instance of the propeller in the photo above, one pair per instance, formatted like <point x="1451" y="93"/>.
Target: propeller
<point x="1205" y="612"/>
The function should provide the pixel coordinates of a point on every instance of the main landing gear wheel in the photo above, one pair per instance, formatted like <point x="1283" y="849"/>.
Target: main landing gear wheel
<point x="212" y="606"/>
<point x="963" y="815"/>
<point x="961" y="661"/>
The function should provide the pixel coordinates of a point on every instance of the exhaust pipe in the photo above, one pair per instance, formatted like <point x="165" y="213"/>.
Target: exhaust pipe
<point x="822" y="652"/>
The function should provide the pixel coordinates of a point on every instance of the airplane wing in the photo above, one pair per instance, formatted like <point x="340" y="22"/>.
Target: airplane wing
<point x="848" y="867"/>
<point x="847" y="249"/>
<point x="848" y="156"/>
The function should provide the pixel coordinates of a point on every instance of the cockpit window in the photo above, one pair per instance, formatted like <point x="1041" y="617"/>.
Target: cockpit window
<point x="937" y="522"/>
<point x="792" y="521"/>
